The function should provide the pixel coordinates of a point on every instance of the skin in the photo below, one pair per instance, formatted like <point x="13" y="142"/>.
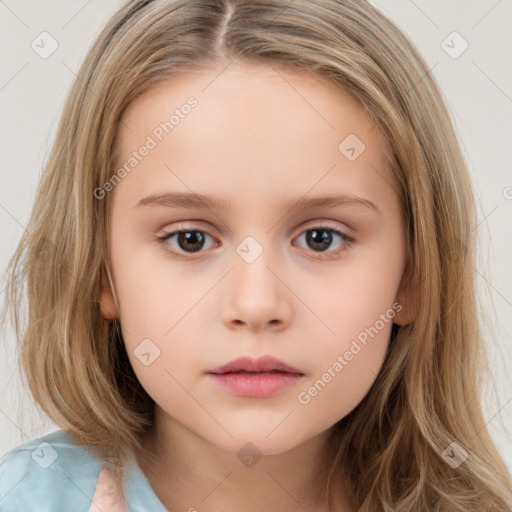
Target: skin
<point x="258" y="138"/>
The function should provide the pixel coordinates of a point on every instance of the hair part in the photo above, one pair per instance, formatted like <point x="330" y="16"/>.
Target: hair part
<point x="428" y="393"/>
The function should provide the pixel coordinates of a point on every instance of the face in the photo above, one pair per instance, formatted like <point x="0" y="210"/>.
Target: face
<point x="316" y="285"/>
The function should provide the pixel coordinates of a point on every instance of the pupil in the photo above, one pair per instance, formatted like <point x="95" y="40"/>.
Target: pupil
<point x="193" y="238"/>
<point x="319" y="239"/>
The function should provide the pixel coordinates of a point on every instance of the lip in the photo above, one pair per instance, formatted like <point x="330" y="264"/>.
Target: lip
<point x="250" y="364"/>
<point x="262" y="377"/>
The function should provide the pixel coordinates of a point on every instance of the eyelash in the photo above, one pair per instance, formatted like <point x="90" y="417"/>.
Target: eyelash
<point x="347" y="240"/>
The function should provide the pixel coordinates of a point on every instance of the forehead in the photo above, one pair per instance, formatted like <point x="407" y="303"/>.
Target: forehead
<point x="243" y="92"/>
<point x="252" y="126"/>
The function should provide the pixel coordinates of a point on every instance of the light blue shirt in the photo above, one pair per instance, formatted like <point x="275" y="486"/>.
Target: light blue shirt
<point x="53" y="474"/>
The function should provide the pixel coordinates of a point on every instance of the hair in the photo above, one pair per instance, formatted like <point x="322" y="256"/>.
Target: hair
<point x="428" y="393"/>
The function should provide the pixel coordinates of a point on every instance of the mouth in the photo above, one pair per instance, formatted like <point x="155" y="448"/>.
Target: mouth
<point x="256" y="378"/>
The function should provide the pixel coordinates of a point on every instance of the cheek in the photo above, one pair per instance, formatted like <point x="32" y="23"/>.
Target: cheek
<point x="357" y="309"/>
<point x="158" y="316"/>
<point x="153" y="293"/>
<point x="354" y="299"/>
<point x="345" y="369"/>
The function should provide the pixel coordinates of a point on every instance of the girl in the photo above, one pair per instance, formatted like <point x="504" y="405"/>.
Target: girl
<point x="317" y="345"/>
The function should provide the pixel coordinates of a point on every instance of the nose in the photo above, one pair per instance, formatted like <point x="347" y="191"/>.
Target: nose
<point x="257" y="298"/>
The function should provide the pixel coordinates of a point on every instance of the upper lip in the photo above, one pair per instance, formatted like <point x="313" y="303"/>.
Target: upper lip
<point x="250" y="364"/>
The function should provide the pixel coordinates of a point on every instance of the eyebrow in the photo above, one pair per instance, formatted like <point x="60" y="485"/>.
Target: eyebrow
<point x="199" y="201"/>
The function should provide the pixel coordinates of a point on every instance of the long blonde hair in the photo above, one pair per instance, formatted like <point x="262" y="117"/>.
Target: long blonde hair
<point x="392" y="447"/>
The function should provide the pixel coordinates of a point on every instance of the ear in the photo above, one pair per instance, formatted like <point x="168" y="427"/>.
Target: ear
<point x="108" y="305"/>
<point x="407" y="298"/>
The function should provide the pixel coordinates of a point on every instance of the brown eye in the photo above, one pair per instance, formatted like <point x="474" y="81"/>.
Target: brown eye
<point x="320" y="239"/>
<point x="188" y="241"/>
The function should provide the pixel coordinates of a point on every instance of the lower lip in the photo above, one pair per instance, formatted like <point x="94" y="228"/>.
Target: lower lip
<point x="256" y="385"/>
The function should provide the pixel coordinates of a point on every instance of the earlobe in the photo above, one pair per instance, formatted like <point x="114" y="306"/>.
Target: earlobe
<point x="108" y="306"/>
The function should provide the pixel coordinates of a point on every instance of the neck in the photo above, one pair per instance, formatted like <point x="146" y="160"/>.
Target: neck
<point x="185" y="471"/>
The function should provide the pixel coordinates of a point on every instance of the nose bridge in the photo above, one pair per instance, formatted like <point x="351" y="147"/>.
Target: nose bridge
<point x="255" y="255"/>
<point x="256" y="296"/>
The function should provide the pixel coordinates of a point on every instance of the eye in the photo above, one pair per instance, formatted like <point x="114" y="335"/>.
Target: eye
<point x="318" y="238"/>
<point x="188" y="240"/>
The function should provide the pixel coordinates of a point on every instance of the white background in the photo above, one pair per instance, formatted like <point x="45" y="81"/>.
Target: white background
<point x="478" y="90"/>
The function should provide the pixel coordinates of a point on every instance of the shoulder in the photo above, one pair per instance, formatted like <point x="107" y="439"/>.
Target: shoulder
<point x="50" y="473"/>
